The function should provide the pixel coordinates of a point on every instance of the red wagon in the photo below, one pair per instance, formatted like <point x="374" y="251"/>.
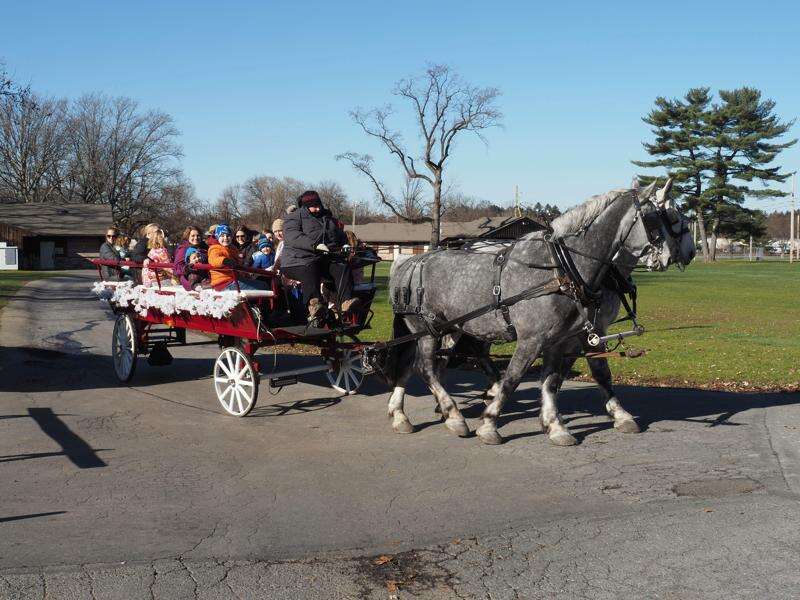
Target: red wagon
<point x="149" y="320"/>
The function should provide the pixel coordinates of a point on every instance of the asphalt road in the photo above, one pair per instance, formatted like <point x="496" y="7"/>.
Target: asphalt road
<point x="152" y="491"/>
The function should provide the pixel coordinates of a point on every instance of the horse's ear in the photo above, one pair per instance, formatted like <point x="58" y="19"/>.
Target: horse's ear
<point x="647" y="192"/>
<point x="663" y="193"/>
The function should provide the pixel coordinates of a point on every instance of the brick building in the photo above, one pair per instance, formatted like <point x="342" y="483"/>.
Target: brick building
<point x="54" y="236"/>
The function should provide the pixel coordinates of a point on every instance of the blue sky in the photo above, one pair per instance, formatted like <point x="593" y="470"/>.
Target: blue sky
<point x="264" y="88"/>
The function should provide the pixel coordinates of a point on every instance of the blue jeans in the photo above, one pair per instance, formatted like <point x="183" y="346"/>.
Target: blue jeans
<point x="248" y="284"/>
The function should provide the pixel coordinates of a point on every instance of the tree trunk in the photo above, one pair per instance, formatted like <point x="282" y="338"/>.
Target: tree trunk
<point x="712" y="251"/>
<point x="701" y="226"/>
<point x="436" y="212"/>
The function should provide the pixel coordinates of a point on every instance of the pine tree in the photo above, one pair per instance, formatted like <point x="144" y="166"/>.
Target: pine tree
<point x="680" y="130"/>
<point x="715" y="152"/>
<point x="741" y="130"/>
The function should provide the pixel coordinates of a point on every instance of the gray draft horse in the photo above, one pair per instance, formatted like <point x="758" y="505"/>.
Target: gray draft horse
<point x="605" y="228"/>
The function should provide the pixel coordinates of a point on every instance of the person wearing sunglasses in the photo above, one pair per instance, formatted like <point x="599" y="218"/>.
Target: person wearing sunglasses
<point x="243" y="242"/>
<point x="109" y="252"/>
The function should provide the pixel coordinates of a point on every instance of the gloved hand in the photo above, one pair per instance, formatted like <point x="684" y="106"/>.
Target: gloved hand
<point x="322" y="248"/>
<point x="346" y="248"/>
<point x="229" y="262"/>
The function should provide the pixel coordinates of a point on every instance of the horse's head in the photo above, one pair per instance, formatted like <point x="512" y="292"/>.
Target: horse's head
<point x="661" y="230"/>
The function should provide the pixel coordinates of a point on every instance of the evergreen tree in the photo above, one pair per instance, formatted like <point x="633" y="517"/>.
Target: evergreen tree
<point x="715" y="152"/>
<point x="741" y="130"/>
<point x="680" y="131"/>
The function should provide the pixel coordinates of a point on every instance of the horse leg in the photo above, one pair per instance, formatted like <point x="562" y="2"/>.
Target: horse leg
<point x="552" y="378"/>
<point x="400" y="422"/>
<point x="623" y="420"/>
<point x="429" y="365"/>
<point x="491" y="371"/>
<point x="517" y="367"/>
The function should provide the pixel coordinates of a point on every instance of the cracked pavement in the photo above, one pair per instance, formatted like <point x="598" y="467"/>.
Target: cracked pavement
<point x="158" y="494"/>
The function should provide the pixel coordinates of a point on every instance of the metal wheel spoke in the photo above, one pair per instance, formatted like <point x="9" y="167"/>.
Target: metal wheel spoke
<point x="221" y="379"/>
<point x="239" y="394"/>
<point x="246" y="382"/>
<point x="346" y="379"/>
<point x="229" y="358"/>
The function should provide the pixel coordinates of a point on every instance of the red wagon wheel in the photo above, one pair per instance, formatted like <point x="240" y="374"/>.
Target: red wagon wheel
<point x="235" y="381"/>
<point x="124" y="347"/>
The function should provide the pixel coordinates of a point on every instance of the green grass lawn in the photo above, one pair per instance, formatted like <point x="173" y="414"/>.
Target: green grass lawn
<point x="11" y="281"/>
<point x="732" y="325"/>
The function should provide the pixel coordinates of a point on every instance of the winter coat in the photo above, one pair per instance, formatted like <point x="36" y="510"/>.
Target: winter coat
<point x="262" y="261"/>
<point x="192" y="278"/>
<point x="180" y="261"/>
<point x="217" y="255"/>
<point x="303" y="232"/>
<point x="139" y="252"/>
<point x="109" y="252"/>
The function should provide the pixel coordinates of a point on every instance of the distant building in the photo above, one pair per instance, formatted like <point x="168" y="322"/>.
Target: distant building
<point x="391" y="239"/>
<point x="55" y="236"/>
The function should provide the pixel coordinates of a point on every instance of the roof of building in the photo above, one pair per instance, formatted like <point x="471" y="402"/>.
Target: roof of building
<point x="421" y="232"/>
<point x="57" y="219"/>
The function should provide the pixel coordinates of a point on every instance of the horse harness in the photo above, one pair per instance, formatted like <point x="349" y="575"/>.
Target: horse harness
<point x="408" y="296"/>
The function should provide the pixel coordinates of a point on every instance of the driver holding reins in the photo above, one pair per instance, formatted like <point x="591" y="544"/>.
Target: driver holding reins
<point x="310" y="234"/>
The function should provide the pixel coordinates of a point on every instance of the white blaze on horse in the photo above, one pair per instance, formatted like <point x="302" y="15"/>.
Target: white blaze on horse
<point x="553" y="287"/>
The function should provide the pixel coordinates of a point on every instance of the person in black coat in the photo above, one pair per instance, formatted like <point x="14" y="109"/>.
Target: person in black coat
<point x="109" y="252"/>
<point x="310" y="233"/>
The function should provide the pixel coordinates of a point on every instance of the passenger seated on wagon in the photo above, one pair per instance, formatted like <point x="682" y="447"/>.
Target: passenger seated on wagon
<point x="191" y="238"/>
<point x="157" y="253"/>
<point x="193" y="278"/>
<point x="310" y="233"/>
<point x="263" y="257"/>
<point x="225" y="254"/>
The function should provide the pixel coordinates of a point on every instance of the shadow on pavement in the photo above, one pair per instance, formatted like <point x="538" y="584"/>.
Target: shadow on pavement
<point x="31" y="370"/>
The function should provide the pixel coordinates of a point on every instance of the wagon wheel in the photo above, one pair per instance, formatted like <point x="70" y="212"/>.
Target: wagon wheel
<point x="235" y="381"/>
<point x="348" y="372"/>
<point x="124" y="347"/>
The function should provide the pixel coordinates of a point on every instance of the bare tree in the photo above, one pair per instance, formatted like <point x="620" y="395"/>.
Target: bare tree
<point x="334" y="198"/>
<point x="444" y="105"/>
<point x="31" y="146"/>
<point x="229" y="205"/>
<point x="120" y="154"/>
<point x="266" y="198"/>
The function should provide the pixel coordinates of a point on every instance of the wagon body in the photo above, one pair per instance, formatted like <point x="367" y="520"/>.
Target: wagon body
<point x="149" y="320"/>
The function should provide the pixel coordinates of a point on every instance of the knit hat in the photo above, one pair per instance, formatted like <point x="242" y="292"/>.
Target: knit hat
<point x="277" y="225"/>
<point x="220" y="229"/>
<point x="309" y="198"/>
<point x="263" y="242"/>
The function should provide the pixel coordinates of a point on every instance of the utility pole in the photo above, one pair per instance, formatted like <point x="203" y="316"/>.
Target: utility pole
<point x="517" y="211"/>
<point x="354" y="217"/>
<point x="791" y="222"/>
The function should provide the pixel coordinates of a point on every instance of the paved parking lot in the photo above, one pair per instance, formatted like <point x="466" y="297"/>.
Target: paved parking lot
<point x="152" y="491"/>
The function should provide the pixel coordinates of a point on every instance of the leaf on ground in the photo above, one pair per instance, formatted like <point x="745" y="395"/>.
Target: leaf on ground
<point x="383" y="559"/>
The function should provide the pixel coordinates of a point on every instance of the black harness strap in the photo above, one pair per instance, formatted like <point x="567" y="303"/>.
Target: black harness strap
<point x="497" y="292"/>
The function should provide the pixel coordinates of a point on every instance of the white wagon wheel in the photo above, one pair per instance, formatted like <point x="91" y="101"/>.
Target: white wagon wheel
<point x="124" y="347"/>
<point x="348" y="372"/>
<point x="235" y="381"/>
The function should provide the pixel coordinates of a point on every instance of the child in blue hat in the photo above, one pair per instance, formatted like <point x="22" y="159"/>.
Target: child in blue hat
<point x="264" y="257"/>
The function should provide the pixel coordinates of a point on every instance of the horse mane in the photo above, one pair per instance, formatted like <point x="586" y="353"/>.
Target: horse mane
<point x="583" y="214"/>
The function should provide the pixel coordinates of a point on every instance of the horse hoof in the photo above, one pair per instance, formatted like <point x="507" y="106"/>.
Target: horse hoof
<point x="403" y="427"/>
<point x="489" y="436"/>
<point x="627" y="426"/>
<point x="457" y="426"/>
<point x="563" y="439"/>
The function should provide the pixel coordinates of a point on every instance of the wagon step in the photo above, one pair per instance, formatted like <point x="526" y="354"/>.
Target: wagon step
<point x="284" y="378"/>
